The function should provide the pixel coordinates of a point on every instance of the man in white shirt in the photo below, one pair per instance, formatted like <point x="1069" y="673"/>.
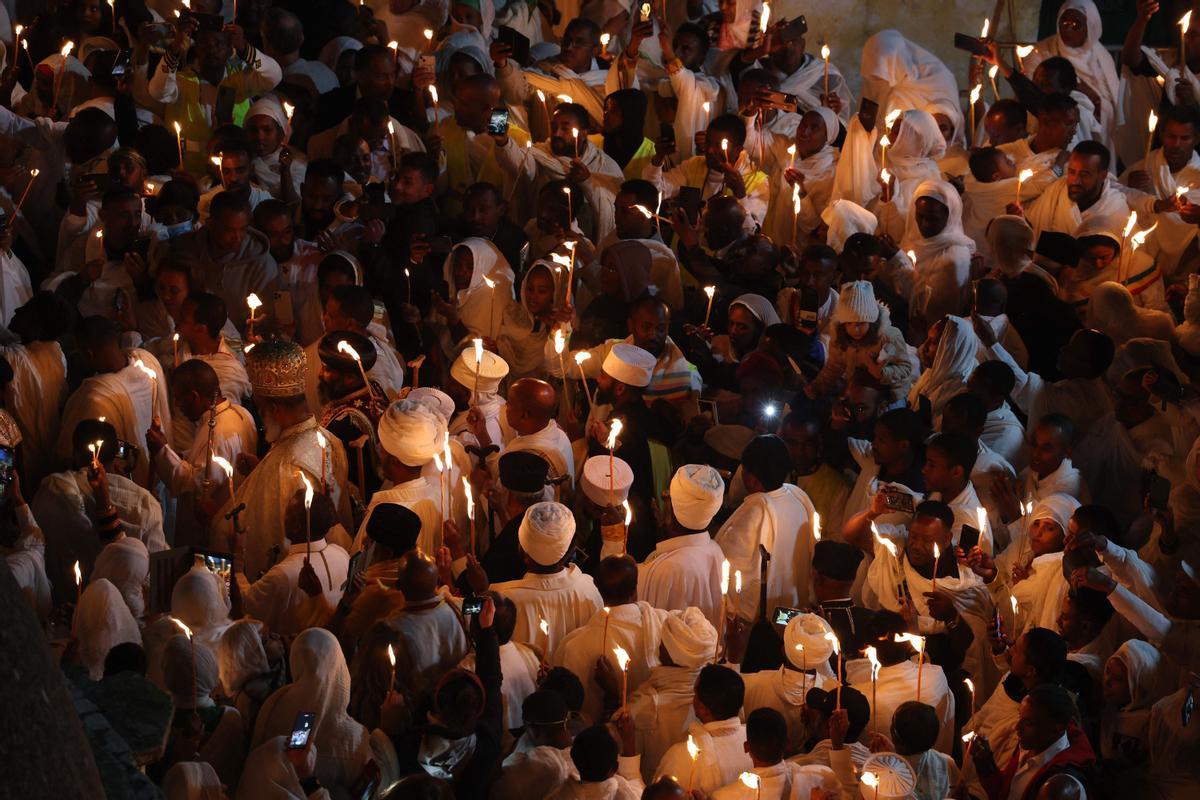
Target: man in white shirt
<point x="432" y="638"/>
<point x="303" y="589"/>
<point x="282" y="37"/>
<point x="720" y="734"/>
<point x="766" y="743"/>
<point x="547" y="766"/>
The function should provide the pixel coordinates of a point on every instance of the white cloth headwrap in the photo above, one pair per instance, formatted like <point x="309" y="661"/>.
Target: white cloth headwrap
<point x="689" y="637"/>
<point x="192" y="780"/>
<point x="845" y="218"/>
<point x="102" y="621"/>
<point x="953" y="364"/>
<point x="435" y="400"/>
<point x="269" y="106"/>
<point x="697" y="491"/>
<point x="331" y="53"/>
<point x="126" y="564"/>
<point x="807" y="631"/>
<point x="762" y="308"/>
<point x="240" y="655"/>
<point x="198" y="601"/>
<point x="177" y="662"/>
<point x="1057" y="507"/>
<point x="411" y="432"/>
<point x="1093" y="63"/>
<point x="1152" y="676"/>
<point x="950" y="236"/>
<point x="546" y="532"/>
<point x="899" y="74"/>
<point x="602" y="488"/>
<point x="833" y="125"/>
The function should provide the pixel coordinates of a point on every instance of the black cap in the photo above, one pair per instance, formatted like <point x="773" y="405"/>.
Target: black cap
<point x="333" y="358"/>
<point x="394" y="526"/>
<point x="1059" y="247"/>
<point x="836" y="560"/>
<point x="523" y="471"/>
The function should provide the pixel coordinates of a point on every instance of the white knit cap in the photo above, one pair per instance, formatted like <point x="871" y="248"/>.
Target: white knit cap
<point x="411" y="432"/>
<point x="697" y="491"/>
<point x="629" y="364"/>
<point x="689" y="637"/>
<point x="435" y="400"/>
<point x="595" y="481"/>
<point x="807" y="631"/>
<point x="856" y="303"/>
<point x="492" y="370"/>
<point x="894" y="775"/>
<point x="546" y="532"/>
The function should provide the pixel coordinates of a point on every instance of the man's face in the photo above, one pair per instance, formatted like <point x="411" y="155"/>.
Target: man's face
<point x="1036" y="731"/>
<point x="578" y="48"/>
<point x="887" y="448"/>
<point x="631" y="223"/>
<point x="482" y="213"/>
<point x="719" y="158"/>
<point x="333" y="382"/>
<point x="265" y="134"/>
<point x="129" y="174"/>
<point x="1000" y="132"/>
<point x="1132" y="402"/>
<point x="335" y="319"/>
<point x="212" y="49"/>
<point x="931" y="216"/>
<point x="474" y="103"/>
<point x="817" y="275"/>
<point x="377" y="79"/>
<point x="939" y="475"/>
<point x="88" y="14"/>
<point x="563" y="142"/>
<point x="463" y="268"/>
<point x="1085" y="177"/>
<point x="409" y="187"/>
<point x="362" y="160"/>
<point x="235" y="172"/>
<point x="648" y="327"/>
<point x="227" y="231"/>
<point x="1047" y="449"/>
<point x="191" y="404"/>
<point x="945" y="126"/>
<point x="1178" y="144"/>
<point x="317" y="198"/>
<point x="1057" y="128"/>
<point x="1070" y="622"/>
<point x="804" y="445"/>
<point x="923" y="533"/>
<point x="689" y="50"/>
<point x="741" y="329"/>
<point x="122" y="220"/>
<point x="281" y="234"/>
<point x="186" y="324"/>
<point x="863" y="404"/>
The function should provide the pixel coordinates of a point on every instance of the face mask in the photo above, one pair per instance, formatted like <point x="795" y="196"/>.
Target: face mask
<point x="178" y="228"/>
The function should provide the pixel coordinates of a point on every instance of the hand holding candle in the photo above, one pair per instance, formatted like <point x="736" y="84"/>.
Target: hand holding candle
<point x="1025" y="175"/>
<point x="623" y="663"/>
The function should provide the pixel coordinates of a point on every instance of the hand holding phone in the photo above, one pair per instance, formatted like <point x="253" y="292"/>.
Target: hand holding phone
<point x="302" y="730"/>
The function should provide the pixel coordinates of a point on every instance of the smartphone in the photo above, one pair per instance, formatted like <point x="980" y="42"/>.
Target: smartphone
<point x="780" y="100"/>
<point x="666" y="132"/>
<point x="301" y="730"/>
<point x="7" y="468"/>
<point x="710" y="406"/>
<point x="126" y="451"/>
<point x="141" y="246"/>
<point x="282" y="308"/>
<point x="782" y="614"/>
<point x="518" y="44"/>
<point x="472" y="606"/>
<point x="226" y="98"/>
<point x="896" y="500"/>
<point x="968" y="537"/>
<point x="971" y="44"/>
<point x="219" y="564"/>
<point x="498" y="122"/>
<point x="121" y="65"/>
<point x="806" y="316"/>
<point x="798" y="26"/>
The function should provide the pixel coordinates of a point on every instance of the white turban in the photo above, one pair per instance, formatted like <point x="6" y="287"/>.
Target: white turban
<point x="411" y="432"/>
<point x="844" y="219"/>
<point x="269" y="106"/>
<point x="595" y="481"/>
<point x="435" y="400"/>
<point x="808" y="631"/>
<point x="629" y="364"/>
<point x="689" y="637"/>
<point x="492" y="370"/>
<point x="696" y="495"/>
<point x="546" y="532"/>
<point x="894" y="774"/>
<point x="1057" y="507"/>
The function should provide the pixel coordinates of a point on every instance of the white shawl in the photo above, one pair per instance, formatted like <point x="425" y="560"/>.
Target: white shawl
<point x="102" y="621"/>
<point x="953" y="364"/>
<point x="481" y="308"/>
<point x="1093" y="63"/>
<point x="943" y="267"/>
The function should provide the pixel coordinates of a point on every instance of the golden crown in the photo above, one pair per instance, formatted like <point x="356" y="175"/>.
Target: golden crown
<point x="276" y="368"/>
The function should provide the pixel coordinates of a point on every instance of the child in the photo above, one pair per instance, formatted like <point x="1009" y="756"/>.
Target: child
<point x="474" y="309"/>
<point x="528" y="325"/>
<point x="988" y="189"/>
<point x="915" y="729"/>
<point x="864" y="339"/>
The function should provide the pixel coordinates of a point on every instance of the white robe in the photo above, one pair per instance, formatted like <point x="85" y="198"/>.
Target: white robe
<point x="1004" y="435"/>
<point x="276" y="598"/>
<point x="785" y="780"/>
<point x="722" y="755"/>
<point x="601" y="187"/>
<point x="432" y="642"/>
<point x="684" y="571"/>
<point x="15" y="289"/>
<point x="566" y="599"/>
<point x="633" y="626"/>
<point x="897" y="684"/>
<point x="550" y="442"/>
<point x="1054" y="210"/>
<point x="519" y="666"/>
<point x="534" y="773"/>
<point x="35" y="398"/>
<point x="1173" y="235"/>
<point x="784" y="690"/>
<point x="662" y="712"/>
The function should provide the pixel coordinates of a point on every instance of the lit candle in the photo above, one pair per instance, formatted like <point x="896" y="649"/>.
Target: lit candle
<point x="725" y="149"/>
<point x="832" y="638"/>
<point x="1025" y="175"/>
<point x="737" y="591"/>
<point x="565" y="98"/>
<point x="308" y="498"/>
<point x="884" y="144"/>
<point x="449" y="472"/>
<point x="797" y="204"/>
<point x="288" y="110"/>
<point x="66" y="53"/>
<point x="191" y="640"/>
<point x="711" y="291"/>
<point x="392" y="676"/>
<point x="394" y="46"/>
<point x="816" y="526"/>
<point x="437" y="114"/>
<point x="971" y="686"/>
<point x="491" y="284"/>
<point x="628" y="520"/>
<point x="1151" y="125"/>
<point x="968" y="739"/>
<point x="937" y="556"/>
<point x="1012" y="599"/>
<point x="428" y="40"/>
<point x="825" y="58"/>
<point x="981" y="518"/>
<point x="623" y="662"/>
<point x="175" y="349"/>
<point x="992" y="73"/>
<point x="694" y="752"/>
<point x="408" y="283"/>
<point x="869" y="778"/>
<point x="345" y="347"/>
<point x="570" y="212"/>
<point x="253" y="303"/>
<point x="1185" y="22"/>
<point x="1023" y="52"/>
<point x="766" y="16"/>
<point x="724" y="601"/>
<point x="707" y="106"/>
<point x="149" y="373"/>
<point x="918" y="644"/>
<point x="544" y="627"/>
<point x="321" y="443"/>
<point x="751" y="781"/>
<point x="179" y="141"/>
<point x="873" y="656"/>
<point x="545" y="109"/>
<point x="791" y="156"/>
<point x="614" y="430"/>
<point x="575" y="136"/>
<point x="605" y="38"/>
<point x="470" y="509"/>
<point x="983" y="33"/>
<point x="975" y="92"/>
<point x="580" y="357"/>
<point x="227" y="468"/>
<point x="1129" y="226"/>
<point x="94" y="449"/>
<point x="437" y="462"/>
<point x="33" y="173"/>
<point x="78" y="583"/>
<point x="607" y="616"/>
<point x="392" y="142"/>
<point x="478" y="343"/>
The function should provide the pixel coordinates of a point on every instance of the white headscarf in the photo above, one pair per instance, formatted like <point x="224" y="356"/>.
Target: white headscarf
<point x="192" y="780"/>
<point x="805" y="645"/>
<point x="1111" y="310"/>
<point x="178" y="658"/>
<point x="844" y="219"/>
<point x="762" y="308"/>
<point x="1152" y="676"/>
<point x="1093" y="63"/>
<point x="102" y="621"/>
<point x="480" y="307"/>
<point x="1056" y="507"/>
<point x="126" y="564"/>
<point x="918" y="146"/>
<point x="952" y="366"/>
<point x="199" y="601"/>
<point x="268" y="773"/>
<point x="943" y="106"/>
<point x="900" y="74"/>
<point x="950" y="236"/>
<point x="240" y="655"/>
<point x="331" y="53"/>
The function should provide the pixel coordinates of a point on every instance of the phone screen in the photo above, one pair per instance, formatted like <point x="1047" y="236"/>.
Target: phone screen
<point x="498" y="123"/>
<point x="301" y="730"/>
<point x="218" y="564"/>
<point x="472" y="606"/>
<point x="783" y="615"/>
<point x="968" y="538"/>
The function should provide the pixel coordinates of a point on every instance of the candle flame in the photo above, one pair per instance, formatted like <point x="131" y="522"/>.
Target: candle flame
<point x="344" y="347"/>
<point x="605" y="38"/>
<point x="1158" y="78"/>
<point x="825" y="52"/>
<point x="888" y="544"/>
<point x="18" y="29"/>
<point x="582" y="356"/>
<point x="987" y="23"/>
<point x="224" y="465"/>
<point x="993" y="72"/>
<point x="981" y="517"/>
<point x="707" y="106"/>
<point x="968" y="736"/>
<point x="575" y="133"/>
<point x="470" y="500"/>
<point x="391" y="656"/>
<point x="970" y="685"/>
<point x="917" y="642"/>
<point x="1013" y="601"/>
<point x="544" y="626"/>
<point x="1024" y="50"/>
<point x="565" y="98"/>
<point x="1185" y="21"/>
<point x="78" y="575"/>
<point x="186" y="630"/>
<point x="750" y="779"/>
<point x="428" y="35"/>
<point x="1025" y="175"/>
<point x="766" y="15"/>
<point x="622" y="657"/>
<point x="1129" y="225"/>
<point x="433" y="93"/>
<point x="832" y="638"/>
<point x="67" y="48"/>
<point x="869" y="779"/>
<point x="791" y="151"/>
<point x="308" y="489"/>
<point x="769" y="410"/>
<point x="149" y="373"/>
<point x="1152" y="122"/>
<point x="613" y="432"/>
<point x="817" y="526"/>
<point x="560" y="259"/>
<point x="710" y="291"/>
<point x="885" y="176"/>
<point x="884" y="141"/>
<point x="737" y="581"/>
<point x="478" y="349"/>
<point x="628" y="513"/>
<point x="797" y="200"/>
<point x="1139" y="238"/>
<point x="321" y="437"/>
<point x="724" y="145"/>
<point x="692" y="748"/>
<point x="892" y="116"/>
<point x="178" y="130"/>
<point x="541" y="95"/>
<point x="645" y="212"/>
<point x="873" y="656"/>
<point x="975" y="93"/>
<point x="33" y="173"/>
<point x="437" y="461"/>
<point x="559" y="342"/>
<point x="491" y="284"/>
<point x="725" y="576"/>
<point x="937" y="552"/>
<point x="253" y="302"/>
<point x="912" y="256"/>
<point x="393" y="45"/>
<point x="1182" y="190"/>
<point x="215" y="160"/>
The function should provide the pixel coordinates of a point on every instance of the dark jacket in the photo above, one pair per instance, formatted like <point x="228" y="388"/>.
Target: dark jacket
<point x="1078" y="760"/>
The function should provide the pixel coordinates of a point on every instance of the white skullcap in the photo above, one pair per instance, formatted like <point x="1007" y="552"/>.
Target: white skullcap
<point x="435" y="400"/>
<point x="269" y="106"/>
<point x="595" y="481"/>
<point x="411" y="432"/>
<point x="546" y="532"/>
<point x="629" y="364"/>
<point x="492" y="370"/>
<point x="689" y="637"/>
<point x="894" y="774"/>
<point x="696" y="494"/>
<point x="1056" y="507"/>
<point x="807" y="630"/>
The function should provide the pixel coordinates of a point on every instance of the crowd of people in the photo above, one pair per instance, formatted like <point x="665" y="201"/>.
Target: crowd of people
<point x="584" y="399"/>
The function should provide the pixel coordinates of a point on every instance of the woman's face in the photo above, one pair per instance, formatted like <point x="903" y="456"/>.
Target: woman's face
<point x="810" y="134"/>
<point x="88" y="14"/>
<point x="463" y="268"/>
<point x="1046" y="536"/>
<point x="742" y="329"/>
<point x="728" y="11"/>
<point x="931" y="216"/>
<point x="1116" y="684"/>
<point x="538" y="289"/>
<point x="928" y="349"/>
<point x="1072" y="28"/>
<point x="945" y="125"/>
<point x="171" y="288"/>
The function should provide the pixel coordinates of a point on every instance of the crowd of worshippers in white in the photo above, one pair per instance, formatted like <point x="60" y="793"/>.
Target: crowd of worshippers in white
<point x="587" y="399"/>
